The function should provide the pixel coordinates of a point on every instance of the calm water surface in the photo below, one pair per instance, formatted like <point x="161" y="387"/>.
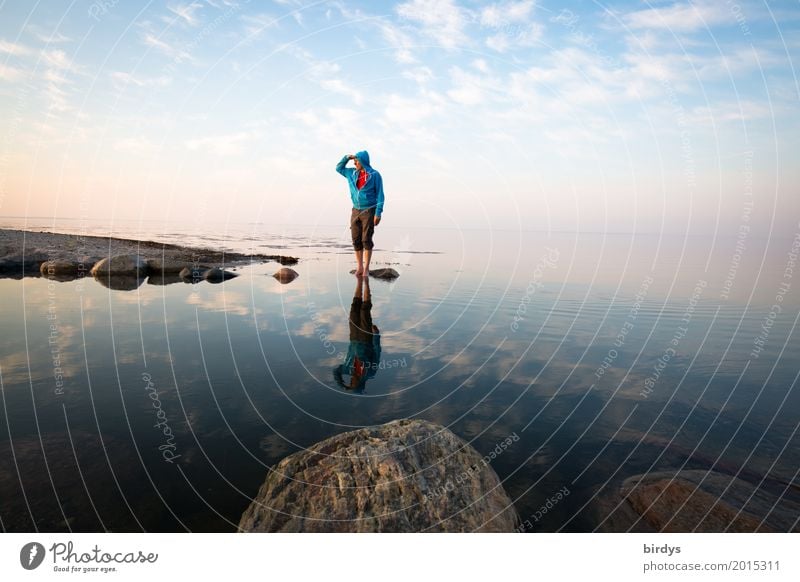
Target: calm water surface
<point x="161" y="408"/>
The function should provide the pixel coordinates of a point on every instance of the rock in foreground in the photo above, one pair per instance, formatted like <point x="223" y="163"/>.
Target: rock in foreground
<point x="696" y="500"/>
<point x="404" y="476"/>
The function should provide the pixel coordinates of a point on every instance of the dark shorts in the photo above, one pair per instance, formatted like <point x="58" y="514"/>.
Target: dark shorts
<point x="362" y="225"/>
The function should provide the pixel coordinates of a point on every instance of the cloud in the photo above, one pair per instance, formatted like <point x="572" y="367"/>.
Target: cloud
<point x="680" y="17"/>
<point x="10" y="73"/>
<point x="327" y="74"/>
<point x="222" y="301"/>
<point x="58" y="67"/>
<point x="136" y="145"/>
<point x="402" y="110"/>
<point x="420" y="75"/>
<point x="121" y="79"/>
<point x="339" y="86"/>
<point x="15" y="49"/>
<point x="504" y="13"/>
<point x="332" y="123"/>
<point x="515" y="36"/>
<point x="48" y="37"/>
<point x="441" y="20"/>
<point x="729" y="112"/>
<point x="255" y="24"/>
<point x="512" y="25"/>
<point x="185" y="13"/>
<point x="179" y="55"/>
<point x="470" y="88"/>
<point x="400" y="40"/>
<point x="221" y="145"/>
<point x="219" y="4"/>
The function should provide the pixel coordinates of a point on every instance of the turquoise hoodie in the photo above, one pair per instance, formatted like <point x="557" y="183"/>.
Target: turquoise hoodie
<point x="371" y="195"/>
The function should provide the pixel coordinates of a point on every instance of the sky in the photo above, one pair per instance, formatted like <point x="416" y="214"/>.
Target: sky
<point x="627" y="116"/>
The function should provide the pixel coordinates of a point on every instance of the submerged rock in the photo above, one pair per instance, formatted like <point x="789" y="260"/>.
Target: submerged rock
<point x="286" y="275"/>
<point x="164" y="278"/>
<point x="193" y="274"/>
<point x="695" y="500"/>
<point x="18" y="265"/>
<point x="120" y="265"/>
<point x="120" y="282"/>
<point x="404" y="476"/>
<point x="217" y="275"/>
<point x="166" y="266"/>
<point x="63" y="270"/>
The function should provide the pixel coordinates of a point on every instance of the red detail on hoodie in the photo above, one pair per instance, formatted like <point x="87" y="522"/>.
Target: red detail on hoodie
<point x="362" y="178"/>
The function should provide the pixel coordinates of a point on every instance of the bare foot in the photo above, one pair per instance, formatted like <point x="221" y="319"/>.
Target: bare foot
<point x="359" y="271"/>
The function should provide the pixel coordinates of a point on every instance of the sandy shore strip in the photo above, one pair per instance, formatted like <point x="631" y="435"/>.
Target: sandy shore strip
<point x="23" y="252"/>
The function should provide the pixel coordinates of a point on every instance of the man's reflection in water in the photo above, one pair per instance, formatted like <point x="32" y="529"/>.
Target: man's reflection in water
<point x="364" y="352"/>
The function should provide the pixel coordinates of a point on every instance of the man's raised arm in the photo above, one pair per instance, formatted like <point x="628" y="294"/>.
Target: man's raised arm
<point x="340" y="167"/>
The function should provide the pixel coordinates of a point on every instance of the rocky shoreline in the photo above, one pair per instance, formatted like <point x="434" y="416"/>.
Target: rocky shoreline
<point x="116" y="262"/>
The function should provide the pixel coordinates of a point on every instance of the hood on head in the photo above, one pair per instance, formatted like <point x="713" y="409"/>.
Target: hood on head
<point x="363" y="157"/>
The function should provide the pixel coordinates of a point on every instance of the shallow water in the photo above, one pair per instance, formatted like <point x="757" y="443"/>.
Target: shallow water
<point x="609" y="356"/>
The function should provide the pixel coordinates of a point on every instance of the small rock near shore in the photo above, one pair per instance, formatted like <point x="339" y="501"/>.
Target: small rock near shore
<point x="193" y="274"/>
<point x="127" y="265"/>
<point x="166" y="266"/>
<point x="18" y="264"/>
<point x="217" y="275"/>
<point x="63" y="270"/>
<point x="386" y="273"/>
<point x="286" y="275"/>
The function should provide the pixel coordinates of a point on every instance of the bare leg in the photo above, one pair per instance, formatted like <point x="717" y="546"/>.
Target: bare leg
<point x="367" y="257"/>
<point x="359" y="260"/>
<point x="367" y="294"/>
<point x="359" y="287"/>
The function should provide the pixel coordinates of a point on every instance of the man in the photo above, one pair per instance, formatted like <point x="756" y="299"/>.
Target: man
<point x="366" y="193"/>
